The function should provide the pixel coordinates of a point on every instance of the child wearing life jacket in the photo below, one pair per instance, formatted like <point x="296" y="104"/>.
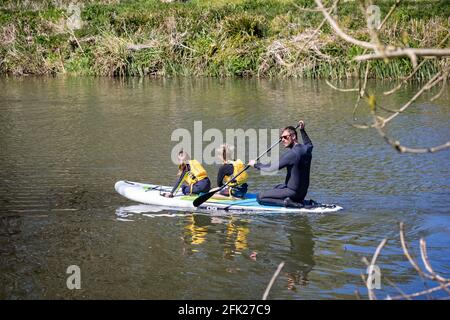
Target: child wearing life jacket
<point x="192" y="179"/>
<point x="238" y="187"/>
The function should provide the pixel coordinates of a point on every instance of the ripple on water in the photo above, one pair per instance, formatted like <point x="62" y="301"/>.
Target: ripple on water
<point x="65" y="142"/>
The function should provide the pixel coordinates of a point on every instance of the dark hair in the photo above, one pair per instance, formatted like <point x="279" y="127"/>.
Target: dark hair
<point x="291" y="130"/>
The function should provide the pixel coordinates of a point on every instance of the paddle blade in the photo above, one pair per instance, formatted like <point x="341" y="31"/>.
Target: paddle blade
<point x="203" y="198"/>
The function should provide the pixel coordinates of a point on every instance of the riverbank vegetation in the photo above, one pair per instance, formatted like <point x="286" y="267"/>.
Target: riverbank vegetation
<point x="244" y="38"/>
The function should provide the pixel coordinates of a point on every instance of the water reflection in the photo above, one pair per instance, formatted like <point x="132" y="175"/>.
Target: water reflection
<point x="234" y="233"/>
<point x="64" y="143"/>
<point x="196" y="230"/>
<point x="301" y="257"/>
<point x="236" y="237"/>
<point x="203" y="233"/>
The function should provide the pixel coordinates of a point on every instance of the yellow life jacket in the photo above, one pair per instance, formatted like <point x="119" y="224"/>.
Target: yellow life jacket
<point x="238" y="166"/>
<point x="196" y="173"/>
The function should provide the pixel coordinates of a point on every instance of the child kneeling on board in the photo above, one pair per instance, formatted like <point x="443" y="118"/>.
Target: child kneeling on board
<point x="192" y="177"/>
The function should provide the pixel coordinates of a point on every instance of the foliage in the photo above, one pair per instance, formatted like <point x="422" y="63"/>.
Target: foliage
<point x="266" y="38"/>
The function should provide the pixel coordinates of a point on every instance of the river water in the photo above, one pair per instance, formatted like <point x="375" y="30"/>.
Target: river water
<point x="65" y="141"/>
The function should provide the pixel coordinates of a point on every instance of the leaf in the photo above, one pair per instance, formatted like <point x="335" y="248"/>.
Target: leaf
<point x="371" y="100"/>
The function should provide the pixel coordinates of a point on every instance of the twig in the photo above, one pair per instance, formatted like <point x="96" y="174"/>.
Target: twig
<point x="377" y="251"/>
<point x="402" y="149"/>
<point x="138" y="47"/>
<point x="421" y="293"/>
<point x="405" y="79"/>
<point x="186" y="47"/>
<point x="444" y="283"/>
<point x="387" y="279"/>
<point x="338" y="89"/>
<point x="61" y="60"/>
<point x="380" y="51"/>
<point x="405" y="249"/>
<point x="426" y="87"/>
<point x="362" y="89"/>
<point x="415" y="70"/>
<point x="406" y="252"/>
<point x="76" y="40"/>
<point x="423" y="252"/>
<point x="341" y="33"/>
<point x="388" y="109"/>
<point x="372" y="295"/>
<point x="275" y="275"/>
<point x="402" y="294"/>
<point x="72" y="33"/>
<point x="394" y="6"/>
<point x="405" y="52"/>
<point x="306" y="9"/>
<point x="315" y="32"/>
<point x="361" y="126"/>
<point x="444" y="83"/>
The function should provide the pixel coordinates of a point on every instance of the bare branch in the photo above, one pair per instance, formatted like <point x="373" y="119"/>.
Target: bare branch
<point x="372" y="295"/>
<point x="381" y="52"/>
<point x="444" y="84"/>
<point x="275" y="275"/>
<point x="359" y="126"/>
<point x="426" y="87"/>
<point x="423" y="252"/>
<point x="421" y="293"/>
<point x="316" y="31"/>
<point x="72" y="33"/>
<point x="444" y="283"/>
<point x="365" y="50"/>
<point x="338" y="89"/>
<point x="405" y="79"/>
<point x="402" y="149"/>
<point x="403" y="294"/>
<point x="362" y="89"/>
<point x="415" y="69"/>
<point x="406" y="52"/>
<point x="341" y="33"/>
<point x="405" y="249"/>
<point x="388" y="109"/>
<point x="377" y="251"/>
<point x="306" y="9"/>
<point x="138" y="47"/>
<point x="394" y="6"/>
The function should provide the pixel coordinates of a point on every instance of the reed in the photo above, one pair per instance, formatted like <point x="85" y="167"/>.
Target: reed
<point x="239" y="38"/>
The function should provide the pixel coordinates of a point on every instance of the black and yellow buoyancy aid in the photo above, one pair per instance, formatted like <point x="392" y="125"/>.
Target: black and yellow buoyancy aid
<point x="238" y="166"/>
<point x="196" y="173"/>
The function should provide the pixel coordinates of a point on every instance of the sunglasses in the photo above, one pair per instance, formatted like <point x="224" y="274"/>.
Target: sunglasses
<point x="285" y="137"/>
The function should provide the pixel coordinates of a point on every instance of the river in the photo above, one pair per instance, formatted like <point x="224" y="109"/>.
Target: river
<point x="65" y="141"/>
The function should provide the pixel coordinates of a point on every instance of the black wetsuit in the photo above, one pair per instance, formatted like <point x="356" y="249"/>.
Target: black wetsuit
<point x="297" y="161"/>
<point x="201" y="186"/>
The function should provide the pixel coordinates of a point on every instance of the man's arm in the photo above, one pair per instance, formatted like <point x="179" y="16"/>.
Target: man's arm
<point x="305" y="138"/>
<point x="285" y="160"/>
<point x="225" y="170"/>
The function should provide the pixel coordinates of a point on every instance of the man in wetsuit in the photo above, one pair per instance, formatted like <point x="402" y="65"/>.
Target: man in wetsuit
<point x="297" y="161"/>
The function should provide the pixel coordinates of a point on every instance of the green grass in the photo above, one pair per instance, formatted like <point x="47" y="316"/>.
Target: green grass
<point x="222" y="38"/>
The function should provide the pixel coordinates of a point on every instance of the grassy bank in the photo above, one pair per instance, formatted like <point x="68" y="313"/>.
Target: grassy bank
<point x="264" y="38"/>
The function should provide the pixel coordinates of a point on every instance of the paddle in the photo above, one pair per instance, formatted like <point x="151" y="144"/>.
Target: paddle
<point x="204" y="197"/>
